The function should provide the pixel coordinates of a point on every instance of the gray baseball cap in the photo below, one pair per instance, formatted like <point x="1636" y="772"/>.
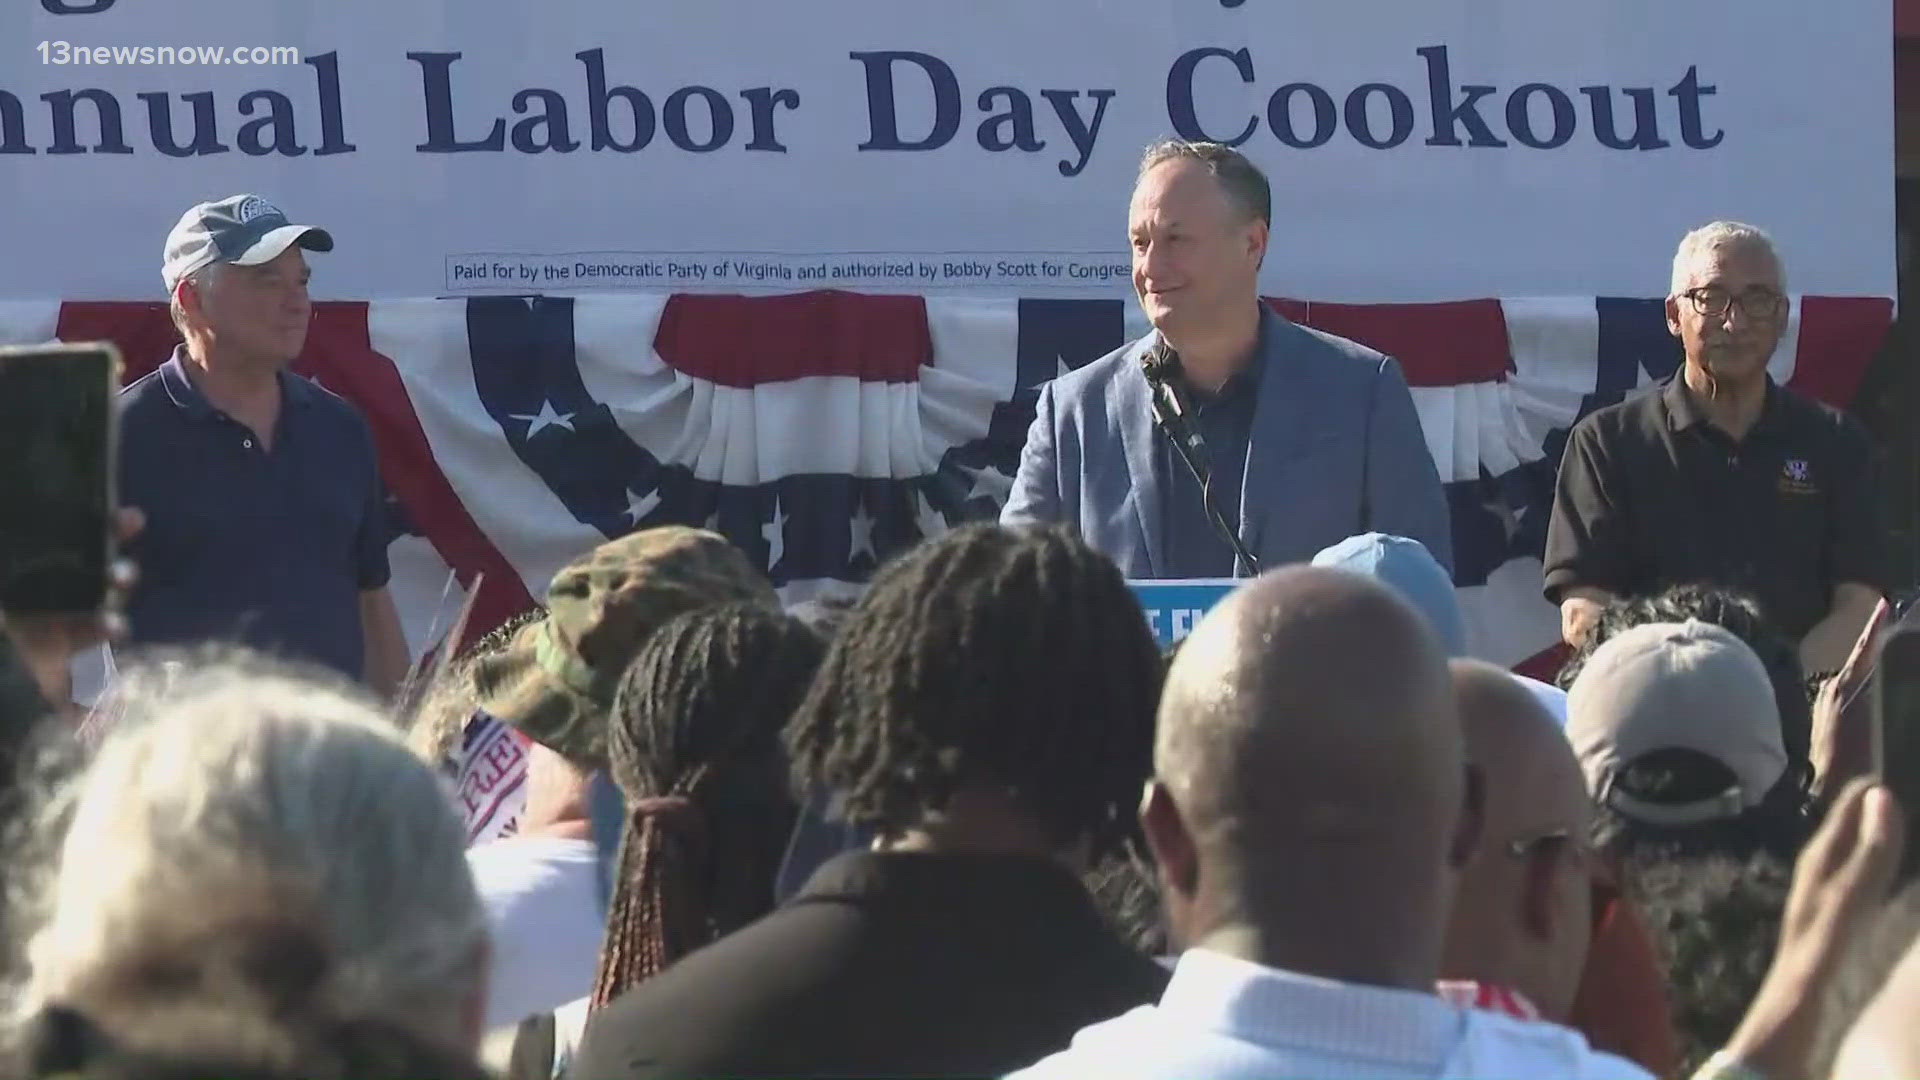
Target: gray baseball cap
<point x="1686" y="686"/>
<point x="245" y="230"/>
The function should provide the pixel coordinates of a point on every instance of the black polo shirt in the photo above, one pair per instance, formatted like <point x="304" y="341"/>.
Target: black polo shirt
<point x="270" y="549"/>
<point x="1651" y="495"/>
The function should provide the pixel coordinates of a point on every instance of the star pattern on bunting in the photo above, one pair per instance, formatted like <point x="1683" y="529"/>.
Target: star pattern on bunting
<point x="775" y="534"/>
<point x="990" y="483"/>
<point x="930" y="521"/>
<point x="1505" y="514"/>
<point x="612" y="460"/>
<point x="531" y="377"/>
<point x="547" y="417"/>
<point x="860" y="533"/>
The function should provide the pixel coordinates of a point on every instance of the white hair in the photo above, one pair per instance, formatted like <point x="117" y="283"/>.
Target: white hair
<point x="201" y="280"/>
<point x="245" y="802"/>
<point x="1714" y="236"/>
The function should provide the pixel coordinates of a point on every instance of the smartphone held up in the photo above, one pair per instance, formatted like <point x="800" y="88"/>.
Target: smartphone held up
<point x="1897" y="704"/>
<point x="57" y="500"/>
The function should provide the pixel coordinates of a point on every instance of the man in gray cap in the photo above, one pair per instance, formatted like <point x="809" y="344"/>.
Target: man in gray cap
<point x="266" y="521"/>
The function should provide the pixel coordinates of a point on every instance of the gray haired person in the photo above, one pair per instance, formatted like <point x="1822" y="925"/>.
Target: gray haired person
<point x="252" y="843"/>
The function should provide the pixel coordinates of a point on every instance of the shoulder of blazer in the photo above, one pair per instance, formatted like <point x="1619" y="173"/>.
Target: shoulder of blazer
<point x="1327" y="357"/>
<point x="1096" y="380"/>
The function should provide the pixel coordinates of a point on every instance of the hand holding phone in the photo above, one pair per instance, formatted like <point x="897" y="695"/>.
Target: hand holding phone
<point x="59" y="527"/>
<point x="57" y="535"/>
<point x="1897" y="701"/>
<point x="1845" y="743"/>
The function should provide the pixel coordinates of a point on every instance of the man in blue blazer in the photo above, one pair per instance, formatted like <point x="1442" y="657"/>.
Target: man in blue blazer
<point x="1307" y="438"/>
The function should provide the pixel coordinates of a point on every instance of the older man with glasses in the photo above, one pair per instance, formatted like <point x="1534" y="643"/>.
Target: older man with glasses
<point x="1521" y="920"/>
<point x="1539" y="929"/>
<point x="1720" y="476"/>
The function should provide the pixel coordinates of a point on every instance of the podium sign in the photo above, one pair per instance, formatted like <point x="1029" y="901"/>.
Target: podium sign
<point x="1173" y="608"/>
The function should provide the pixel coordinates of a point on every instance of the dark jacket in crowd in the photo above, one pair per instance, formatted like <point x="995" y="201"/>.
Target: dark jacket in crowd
<point x="21" y="707"/>
<point x="884" y="965"/>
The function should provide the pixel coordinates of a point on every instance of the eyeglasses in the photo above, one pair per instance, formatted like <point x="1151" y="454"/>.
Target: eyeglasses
<point x="1755" y="303"/>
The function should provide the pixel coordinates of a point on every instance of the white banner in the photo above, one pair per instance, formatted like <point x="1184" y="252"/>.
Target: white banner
<point x="1419" y="149"/>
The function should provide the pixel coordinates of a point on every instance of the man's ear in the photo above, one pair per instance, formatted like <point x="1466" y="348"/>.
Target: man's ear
<point x="1673" y="315"/>
<point x="1473" y="814"/>
<point x="1167" y="837"/>
<point x="189" y="297"/>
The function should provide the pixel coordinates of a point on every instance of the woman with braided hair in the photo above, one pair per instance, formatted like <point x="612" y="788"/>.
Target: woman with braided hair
<point x="987" y="712"/>
<point x="694" y="746"/>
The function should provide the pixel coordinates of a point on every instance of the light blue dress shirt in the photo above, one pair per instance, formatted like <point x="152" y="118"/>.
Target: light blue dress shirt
<point x="1227" y="1019"/>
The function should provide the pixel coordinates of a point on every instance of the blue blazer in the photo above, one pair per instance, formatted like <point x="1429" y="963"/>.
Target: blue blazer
<point x="1336" y="451"/>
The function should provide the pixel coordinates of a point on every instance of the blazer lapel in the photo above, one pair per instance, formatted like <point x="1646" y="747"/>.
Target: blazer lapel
<point x="1134" y="407"/>
<point x="1282" y="420"/>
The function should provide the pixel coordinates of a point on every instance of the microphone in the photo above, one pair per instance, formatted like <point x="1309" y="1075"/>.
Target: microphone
<point x="1162" y="369"/>
<point x="1160" y="363"/>
<point x="1161" y="366"/>
<point x="1166" y="377"/>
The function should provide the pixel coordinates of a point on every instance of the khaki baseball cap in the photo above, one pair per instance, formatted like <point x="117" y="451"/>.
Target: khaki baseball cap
<point x="555" y="680"/>
<point x="1676" y="686"/>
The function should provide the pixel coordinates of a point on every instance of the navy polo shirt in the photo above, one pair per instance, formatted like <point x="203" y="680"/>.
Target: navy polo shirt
<point x="270" y="549"/>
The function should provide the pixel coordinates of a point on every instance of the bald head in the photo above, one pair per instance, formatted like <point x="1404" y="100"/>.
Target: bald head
<point x="1309" y="796"/>
<point x="1520" y="920"/>
<point x="1533" y="780"/>
<point x="1311" y="702"/>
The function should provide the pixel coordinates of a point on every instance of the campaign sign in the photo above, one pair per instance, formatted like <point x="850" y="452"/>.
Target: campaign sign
<point x="1174" y="608"/>
<point x="1421" y="150"/>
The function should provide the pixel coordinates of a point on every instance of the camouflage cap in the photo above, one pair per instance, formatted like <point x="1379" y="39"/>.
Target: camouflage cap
<point x="555" y="680"/>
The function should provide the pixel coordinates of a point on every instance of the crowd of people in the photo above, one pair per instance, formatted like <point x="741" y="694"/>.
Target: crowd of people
<point x="1307" y="842"/>
<point x="976" y="822"/>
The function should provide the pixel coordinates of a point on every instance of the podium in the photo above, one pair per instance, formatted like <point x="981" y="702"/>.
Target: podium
<point x="1173" y="607"/>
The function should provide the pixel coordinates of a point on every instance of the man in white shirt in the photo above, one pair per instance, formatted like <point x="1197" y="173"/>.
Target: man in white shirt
<point x="542" y="892"/>
<point x="1310" y="809"/>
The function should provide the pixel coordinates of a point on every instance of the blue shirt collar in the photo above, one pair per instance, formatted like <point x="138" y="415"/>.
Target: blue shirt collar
<point x="294" y="390"/>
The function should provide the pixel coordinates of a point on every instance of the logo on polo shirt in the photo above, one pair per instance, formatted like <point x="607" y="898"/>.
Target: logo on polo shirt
<point x="1796" y="478"/>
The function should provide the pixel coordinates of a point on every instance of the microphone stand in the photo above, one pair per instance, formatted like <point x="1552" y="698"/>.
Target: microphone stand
<point x="1167" y="414"/>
